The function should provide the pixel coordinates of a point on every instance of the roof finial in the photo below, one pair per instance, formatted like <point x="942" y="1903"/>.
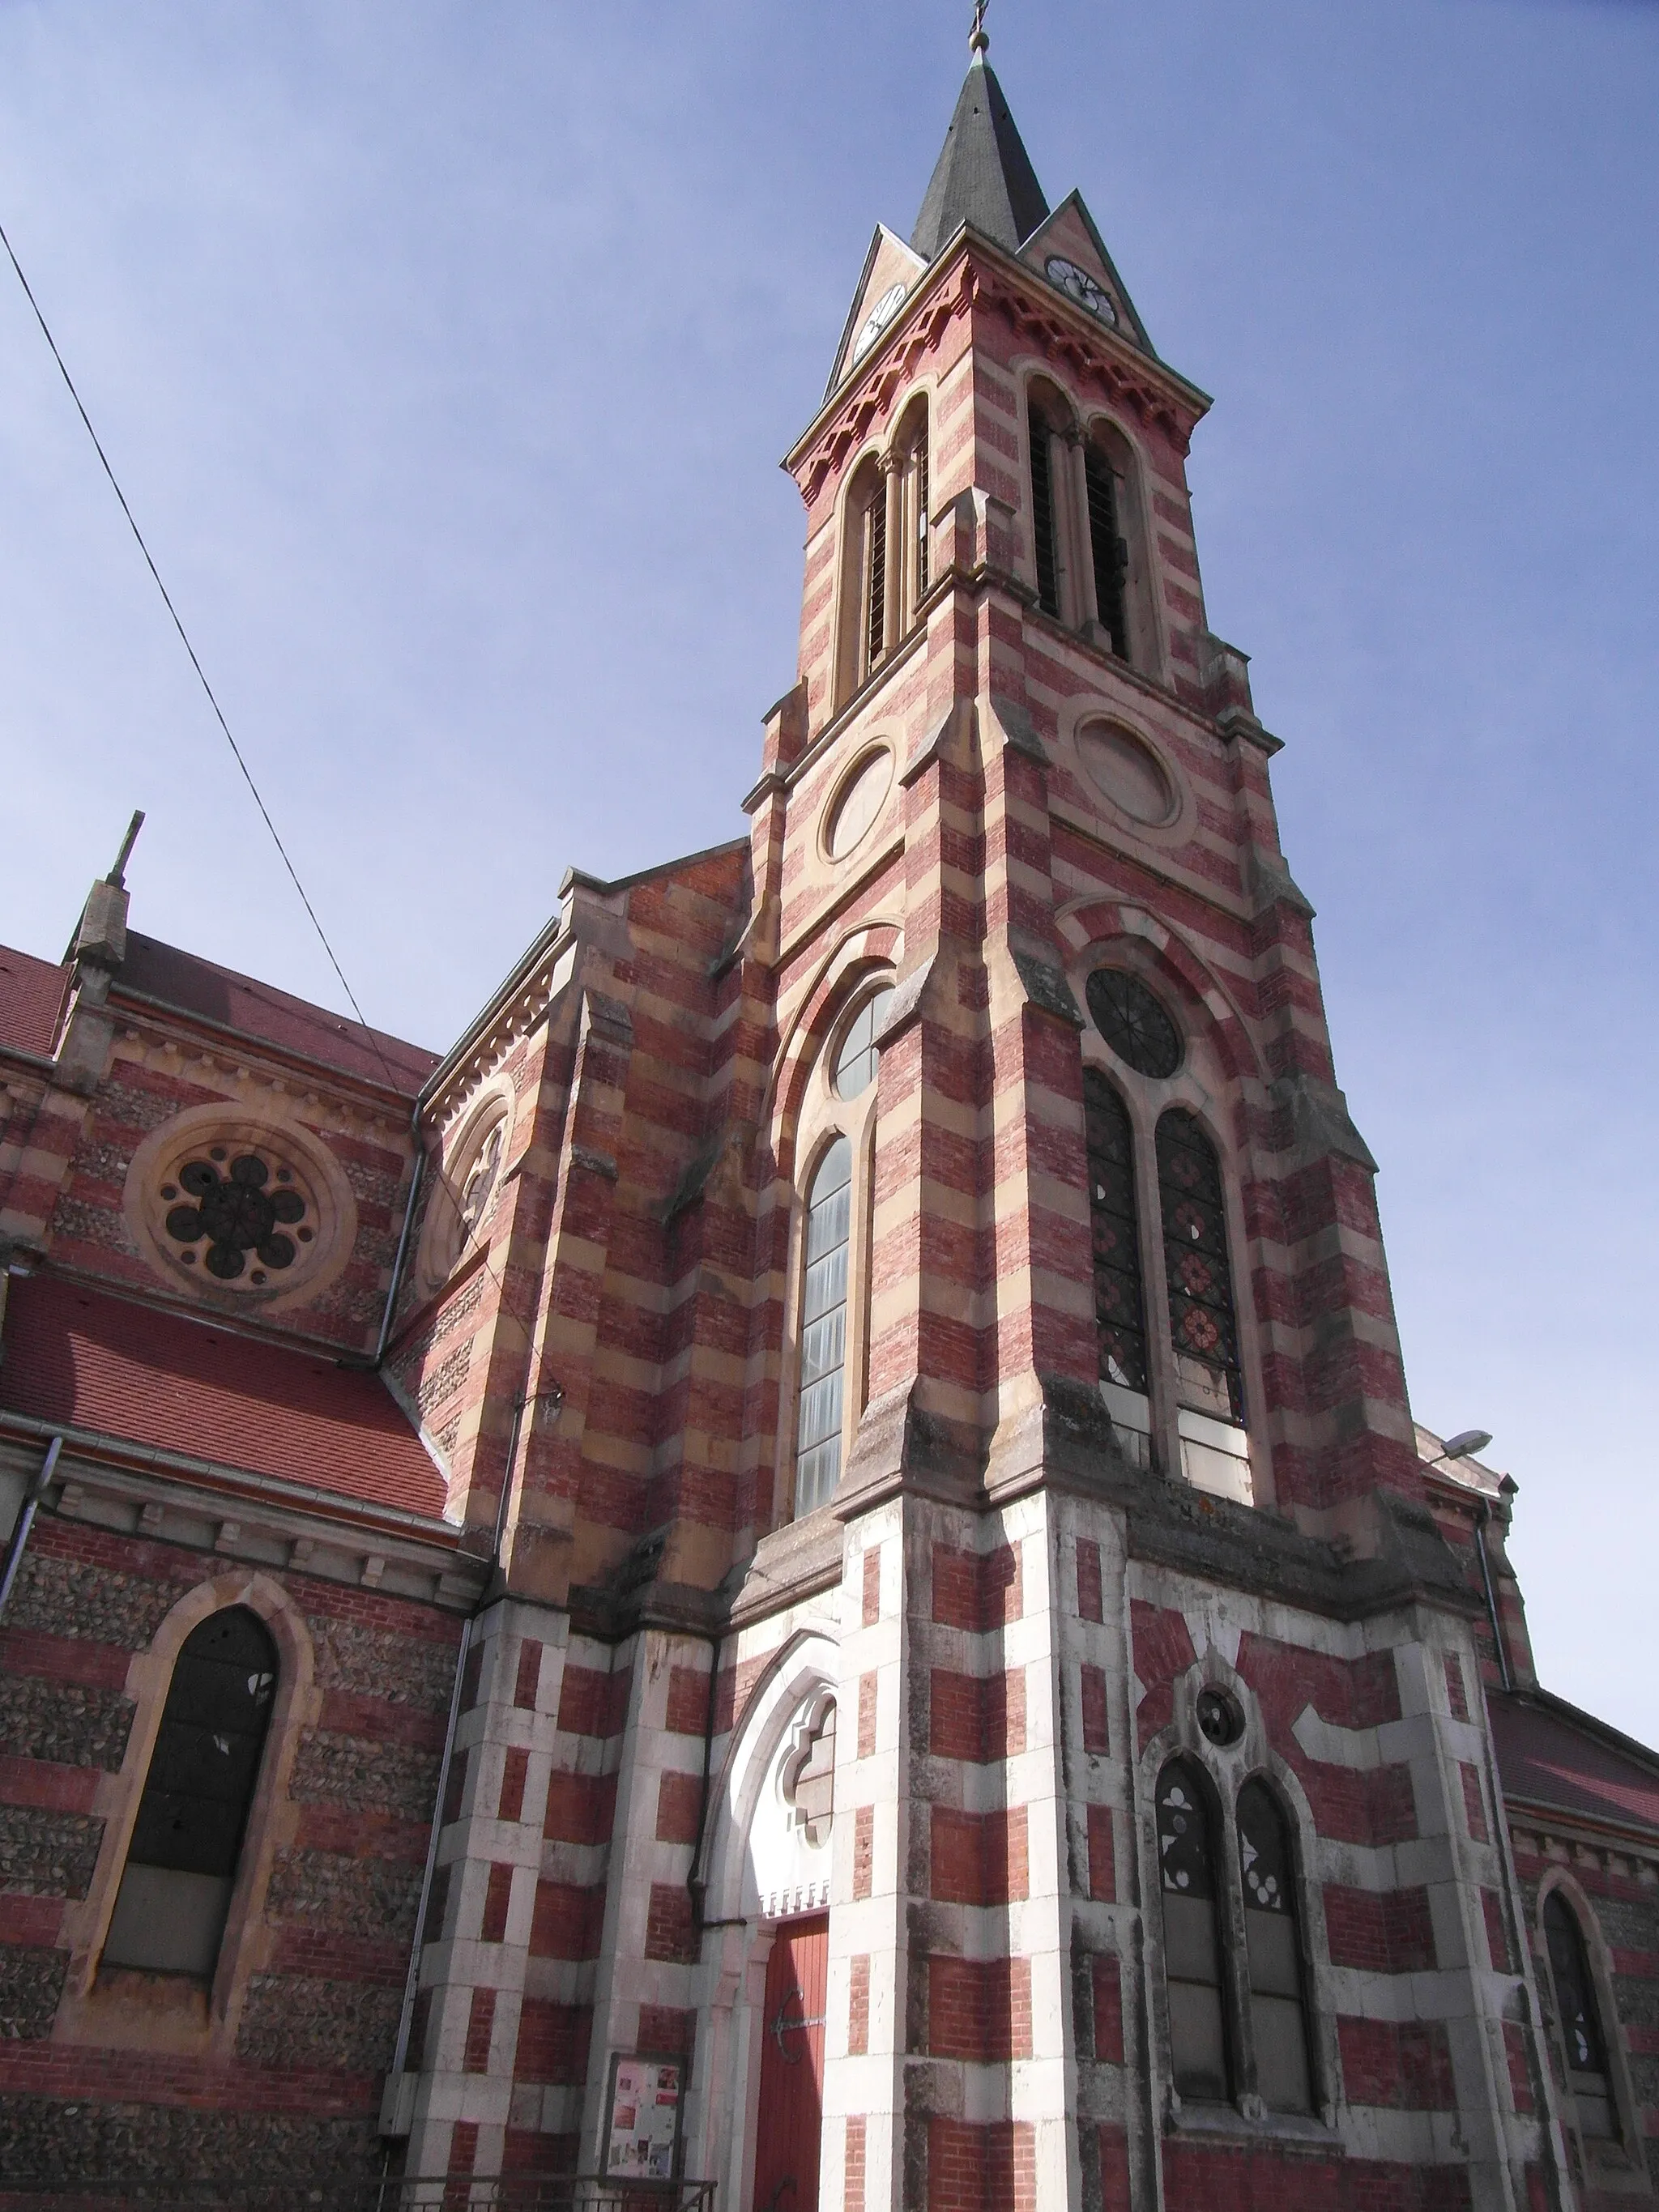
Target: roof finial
<point x="978" y="40"/>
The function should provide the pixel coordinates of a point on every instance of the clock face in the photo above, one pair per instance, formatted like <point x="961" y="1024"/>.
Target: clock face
<point x="879" y="316"/>
<point x="1078" y="284"/>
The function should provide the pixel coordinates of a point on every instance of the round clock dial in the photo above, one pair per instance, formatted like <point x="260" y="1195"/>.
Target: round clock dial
<point x="878" y="319"/>
<point x="1078" y="284"/>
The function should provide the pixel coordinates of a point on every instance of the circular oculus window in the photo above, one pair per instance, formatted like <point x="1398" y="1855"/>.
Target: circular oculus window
<point x="1220" y="1719"/>
<point x="1133" y="1022"/>
<point x="853" y="810"/>
<point x="254" y="1208"/>
<point x="1128" y="773"/>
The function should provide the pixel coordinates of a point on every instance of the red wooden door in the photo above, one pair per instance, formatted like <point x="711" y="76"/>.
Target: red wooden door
<point x="792" y="2070"/>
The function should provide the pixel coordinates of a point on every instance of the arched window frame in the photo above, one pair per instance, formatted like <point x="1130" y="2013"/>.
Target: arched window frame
<point x="1595" y="2151"/>
<point x="85" y="2015"/>
<point x="825" y="1116"/>
<point x="1227" y="1769"/>
<point x="884" y="551"/>
<point x="1172" y="1427"/>
<point x="1061" y="446"/>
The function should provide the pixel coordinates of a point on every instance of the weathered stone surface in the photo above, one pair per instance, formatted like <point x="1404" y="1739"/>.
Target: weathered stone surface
<point x="326" y="1889"/>
<point x="296" y="2019"/>
<point x="44" y="1854"/>
<point x="65" y="1722"/>
<point x="405" y="1670"/>
<point x="31" y="1983"/>
<point x="51" y="2137"/>
<point x="72" y="1597"/>
<point x="340" y="1769"/>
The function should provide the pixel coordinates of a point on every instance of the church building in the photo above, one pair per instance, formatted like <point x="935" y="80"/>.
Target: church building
<point x="799" y="1578"/>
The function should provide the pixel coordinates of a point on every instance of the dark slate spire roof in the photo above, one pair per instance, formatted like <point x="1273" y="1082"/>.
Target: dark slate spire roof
<point x="984" y="175"/>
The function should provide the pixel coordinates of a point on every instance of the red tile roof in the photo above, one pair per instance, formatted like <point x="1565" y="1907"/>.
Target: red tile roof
<point x="156" y="1378"/>
<point x="238" y="1002"/>
<point x="31" y="1000"/>
<point x="1550" y="1754"/>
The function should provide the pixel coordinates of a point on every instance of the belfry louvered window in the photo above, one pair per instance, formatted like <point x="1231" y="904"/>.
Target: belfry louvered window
<point x="1044" y="514"/>
<point x="1108" y="552"/>
<point x="1279" y="2026"/>
<point x="824" y="1329"/>
<point x="1584" y="2044"/>
<point x="1192" y="1934"/>
<point x="1119" y="1304"/>
<point x="875" y="574"/>
<point x="169" y="1915"/>
<point x="919" y="476"/>
<point x="1202" y="1323"/>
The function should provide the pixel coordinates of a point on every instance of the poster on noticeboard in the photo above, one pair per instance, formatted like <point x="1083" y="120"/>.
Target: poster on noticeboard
<point x="642" y="2131"/>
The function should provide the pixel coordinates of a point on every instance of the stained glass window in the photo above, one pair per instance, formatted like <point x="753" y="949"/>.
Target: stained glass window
<point x="181" y="1862"/>
<point x="1580" y="2018"/>
<point x="1191" y="1946"/>
<point x="824" y="1329"/>
<point x="1201" y="1318"/>
<point x="1120" y="1305"/>
<point x="1277" y="2016"/>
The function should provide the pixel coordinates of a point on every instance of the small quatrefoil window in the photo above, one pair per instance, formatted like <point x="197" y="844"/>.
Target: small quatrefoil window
<point x="232" y="1211"/>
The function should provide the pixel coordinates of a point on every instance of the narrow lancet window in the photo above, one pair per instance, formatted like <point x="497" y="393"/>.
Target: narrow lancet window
<point x="1119" y="1306"/>
<point x="921" y="457"/>
<point x="1278" y="2022"/>
<point x="1191" y="1946"/>
<point x="1588" y="2079"/>
<point x="1202" y="1323"/>
<point x="824" y="1329"/>
<point x="1108" y="550"/>
<point x="1044" y="518"/>
<point x="169" y="1915"/>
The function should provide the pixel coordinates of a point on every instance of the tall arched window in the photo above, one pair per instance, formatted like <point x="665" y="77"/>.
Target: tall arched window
<point x="1192" y="1944"/>
<point x="181" y="1862"/>
<point x="919" y="511"/>
<point x="1279" y="2024"/>
<point x="1044" y="430"/>
<point x="824" y="1329"/>
<point x="1202" y="1323"/>
<point x="1120" y="1300"/>
<point x="1590" y="2081"/>
<point x="1108" y="550"/>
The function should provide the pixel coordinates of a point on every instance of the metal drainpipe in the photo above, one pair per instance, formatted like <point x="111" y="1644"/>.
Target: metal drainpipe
<point x="417" y="1175"/>
<point x="25" y="1521"/>
<point x="695" y="1888"/>
<point x="1481" y="1520"/>
<point x="489" y="1596"/>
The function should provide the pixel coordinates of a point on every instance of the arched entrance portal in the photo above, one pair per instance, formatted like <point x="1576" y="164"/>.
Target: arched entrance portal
<point x="790" y="2133"/>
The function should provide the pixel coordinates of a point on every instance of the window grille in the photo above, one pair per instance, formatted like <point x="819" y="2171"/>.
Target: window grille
<point x="922" y="518"/>
<point x="1119" y="1303"/>
<point x="1588" y="2078"/>
<point x="1191" y="1946"/>
<point x="181" y="1862"/>
<point x="824" y="1329"/>
<point x="1042" y="517"/>
<point x="1279" y="2025"/>
<point x="1202" y="1323"/>
<point x="1109" y="552"/>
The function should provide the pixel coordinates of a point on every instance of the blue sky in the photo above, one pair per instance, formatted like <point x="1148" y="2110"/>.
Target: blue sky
<point x="446" y="354"/>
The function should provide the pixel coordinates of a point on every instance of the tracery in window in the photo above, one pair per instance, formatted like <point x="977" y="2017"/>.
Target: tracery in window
<point x="1192" y="1944"/>
<point x="1278" y="2027"/>
<point x="1119" y="1303"/>
<point x="169" y="1914"/>
<point x="809" y="1779"/>
<point x="1202" y="1324"/>
<point x="857" y="1058"/>
<point x="1133" y="1021"/>
<point x="233" y="1210"/>
<point x="824" y="1329"/>
<point x="1589" y="2081"/>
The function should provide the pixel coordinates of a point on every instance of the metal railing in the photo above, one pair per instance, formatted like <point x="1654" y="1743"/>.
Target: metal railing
<point x="455" y="2192"/>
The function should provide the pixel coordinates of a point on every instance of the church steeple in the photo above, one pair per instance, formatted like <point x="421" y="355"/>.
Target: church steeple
<point x="983" y="174"/>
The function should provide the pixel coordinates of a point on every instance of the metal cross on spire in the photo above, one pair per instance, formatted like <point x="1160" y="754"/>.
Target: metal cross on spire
<point x="979" y="38"/>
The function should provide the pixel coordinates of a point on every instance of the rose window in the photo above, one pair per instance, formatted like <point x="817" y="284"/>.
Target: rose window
<point x="236" y="1216"/>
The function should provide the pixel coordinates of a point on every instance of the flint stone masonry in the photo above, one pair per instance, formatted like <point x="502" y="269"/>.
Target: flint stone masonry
<point x="63" y="1722"/>
<point x="44" y="1854"/>
<point x="342" y="1769"/>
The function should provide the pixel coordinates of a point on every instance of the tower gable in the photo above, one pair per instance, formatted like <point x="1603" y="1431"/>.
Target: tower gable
<point x="890" y="269"/>
<point x="1070" y="235"/>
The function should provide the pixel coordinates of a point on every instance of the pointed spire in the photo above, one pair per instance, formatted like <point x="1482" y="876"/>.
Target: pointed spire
<point x="984" y="174"/>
